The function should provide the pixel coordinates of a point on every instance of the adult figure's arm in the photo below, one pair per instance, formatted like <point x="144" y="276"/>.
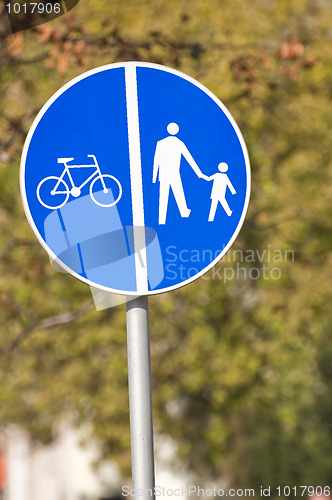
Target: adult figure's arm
<point x="231" y="187"/>
<point x="156" y="164"/>
<point x="191" y="161"/>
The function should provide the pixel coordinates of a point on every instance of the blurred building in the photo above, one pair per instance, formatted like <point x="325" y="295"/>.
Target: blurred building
<point x="64" y="470"/>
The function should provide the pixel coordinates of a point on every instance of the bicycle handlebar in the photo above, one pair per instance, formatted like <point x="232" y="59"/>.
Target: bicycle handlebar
<point x="93" y="156"/>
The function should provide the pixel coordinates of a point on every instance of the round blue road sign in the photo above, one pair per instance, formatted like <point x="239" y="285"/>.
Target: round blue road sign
<point x="135" y="178"/>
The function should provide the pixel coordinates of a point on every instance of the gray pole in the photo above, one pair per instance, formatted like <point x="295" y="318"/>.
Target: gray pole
<point x="140" y="399"/>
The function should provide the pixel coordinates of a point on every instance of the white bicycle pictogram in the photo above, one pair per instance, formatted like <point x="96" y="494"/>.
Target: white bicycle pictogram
<point x="53" y="192"/>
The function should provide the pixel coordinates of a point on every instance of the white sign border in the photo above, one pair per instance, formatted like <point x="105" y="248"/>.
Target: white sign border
<point x="54" y="98"/>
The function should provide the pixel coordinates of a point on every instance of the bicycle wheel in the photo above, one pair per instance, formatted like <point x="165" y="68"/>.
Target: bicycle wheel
<point x="48" y="196"/>
<point x="105" y="197"/>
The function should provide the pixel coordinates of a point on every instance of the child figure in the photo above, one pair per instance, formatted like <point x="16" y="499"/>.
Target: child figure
<point x="218" y="193"/>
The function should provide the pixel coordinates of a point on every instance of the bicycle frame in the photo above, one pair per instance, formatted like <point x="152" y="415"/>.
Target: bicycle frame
<point x="67" y="168"/>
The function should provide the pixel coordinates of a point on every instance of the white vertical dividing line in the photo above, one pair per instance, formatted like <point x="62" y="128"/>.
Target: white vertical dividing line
<point x="136" y="179"/>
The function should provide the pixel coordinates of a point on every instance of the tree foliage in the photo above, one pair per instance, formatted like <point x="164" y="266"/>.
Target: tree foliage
<point x="241" y="370"/>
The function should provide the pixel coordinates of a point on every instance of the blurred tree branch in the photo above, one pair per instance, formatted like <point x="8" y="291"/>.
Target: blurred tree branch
<point x="40" y="324"/>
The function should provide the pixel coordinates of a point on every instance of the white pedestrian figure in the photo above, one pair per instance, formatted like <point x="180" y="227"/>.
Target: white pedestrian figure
<point x="218" y="193"/>
<point x="167" y="161"/>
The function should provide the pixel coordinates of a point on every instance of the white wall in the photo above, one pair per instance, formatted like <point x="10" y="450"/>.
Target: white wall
<point x="60" y="471"/>
<point x="63" y="470"/>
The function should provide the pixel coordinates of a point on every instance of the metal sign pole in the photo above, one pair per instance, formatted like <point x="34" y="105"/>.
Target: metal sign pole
<point x="140" y="399"/>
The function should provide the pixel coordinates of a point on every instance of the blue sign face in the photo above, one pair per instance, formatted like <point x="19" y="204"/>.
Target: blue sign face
<point x="135" y="178"/>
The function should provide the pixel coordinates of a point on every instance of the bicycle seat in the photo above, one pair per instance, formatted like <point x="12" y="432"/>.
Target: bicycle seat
<point x="64" y="160"/>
